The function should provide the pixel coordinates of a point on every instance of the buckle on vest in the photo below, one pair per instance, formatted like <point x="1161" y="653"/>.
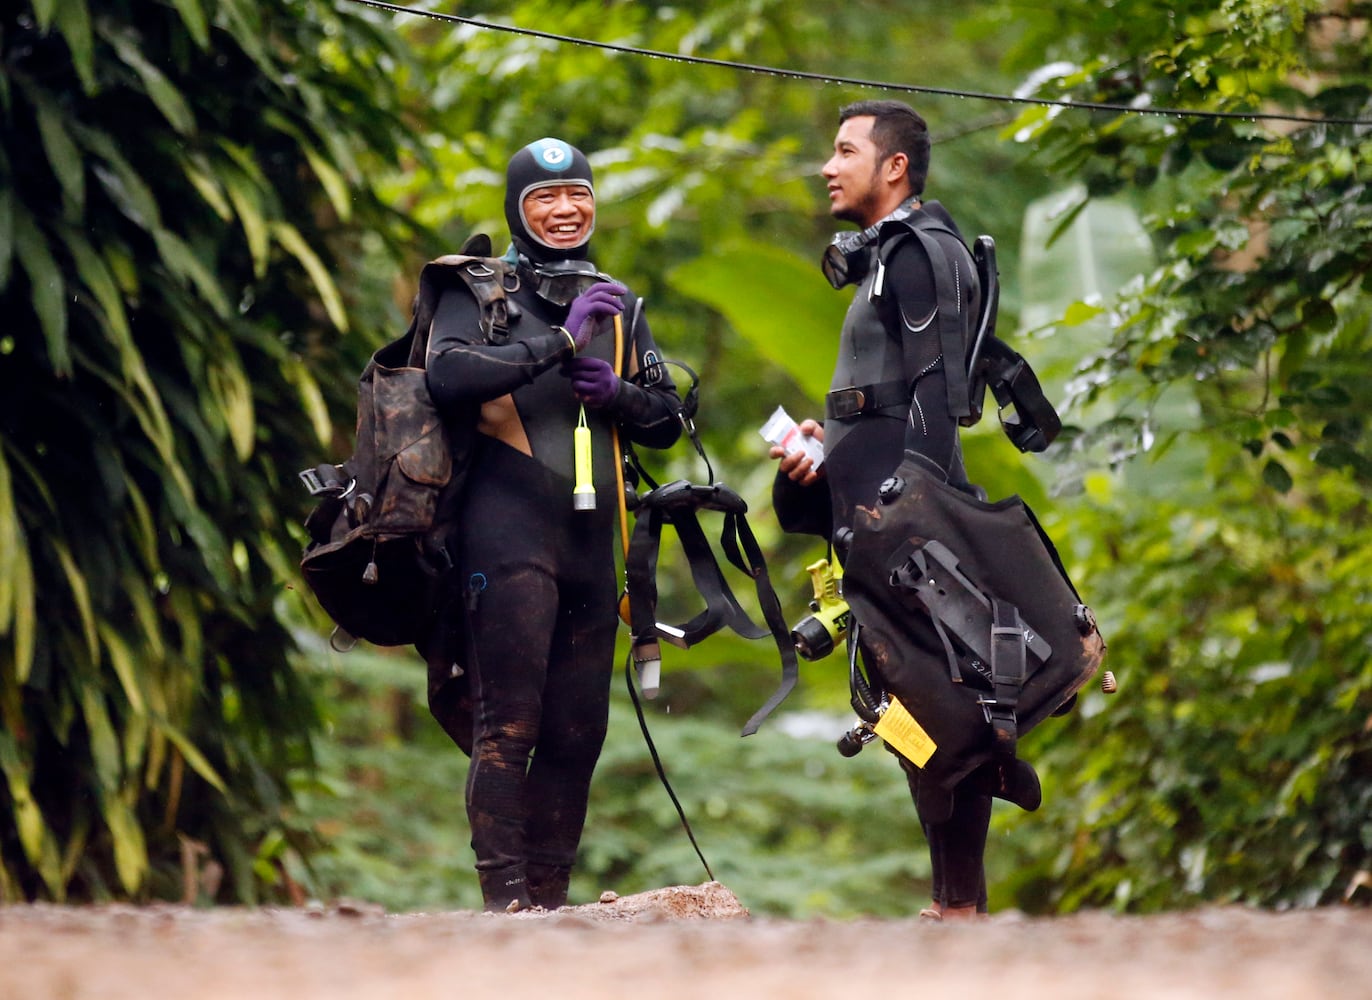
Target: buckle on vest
<point x="846" y="402"/>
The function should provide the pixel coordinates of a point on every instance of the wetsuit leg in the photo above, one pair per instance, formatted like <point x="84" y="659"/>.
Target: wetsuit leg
<point x="506" y="547"/>
<point x="957" y="846"/>
<point x="543" y="640"/>
<point x="576" y="702"/>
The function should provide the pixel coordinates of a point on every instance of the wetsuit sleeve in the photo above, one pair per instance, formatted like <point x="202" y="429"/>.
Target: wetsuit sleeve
<point x="930" y="430"/>
<point x="802" y="510"/>
<point x="463" y="370"/>
<point x="647" y="410"/>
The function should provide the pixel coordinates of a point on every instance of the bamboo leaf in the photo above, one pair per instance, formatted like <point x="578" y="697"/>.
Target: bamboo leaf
<point x="35" y="837"/>
<point x="289" y="237"/>
<point x="6" y="233"/>
<point x="46" y="289"/>
<point x="99" y="280"/>
<point x="143" y="529"/>
<point x="73" y="19"/>
<point x="120" y="181"/>
<point x="330" y="178"/>
<point x="137" y="730"/>
<point x="183" y="262"/>
<point x="43" y="11"/>
<point x="104" y="744"/>
<point x="17" y="616"/>
<point x="75" y="849"/>
<point x="193" y="756"/>
<point x="11" y="540"/>
<point x="229" y="386"/>
<point x="64" y="156"/>
<point x="139" y="595"/>
<point x="243" y="20"/>
<point x="159" y="89"/>
<point x="246" y="204"/>
<point x="125" y="666"/>
<point x="185" y="612"/>
<point x="333" y="182"/>
<point x="153" y="424"/>
<point x="130" y="846"/>
<point x="193" y="16"/>
<point x="80" y="593"/>
<point x="203" y="181"/>
<point x="311" y="397"/>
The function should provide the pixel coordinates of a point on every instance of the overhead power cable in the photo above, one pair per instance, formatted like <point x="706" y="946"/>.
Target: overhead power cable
<point x="795" y="74"/>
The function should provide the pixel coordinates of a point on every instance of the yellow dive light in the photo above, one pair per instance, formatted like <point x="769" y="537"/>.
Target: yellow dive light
<point x="583" y="494"/>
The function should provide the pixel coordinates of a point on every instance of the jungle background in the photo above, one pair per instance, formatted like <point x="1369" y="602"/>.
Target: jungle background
<point x="212" y="211"/>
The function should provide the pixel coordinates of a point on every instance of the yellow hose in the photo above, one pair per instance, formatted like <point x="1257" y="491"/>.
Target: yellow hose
<point x="619" y="474"/>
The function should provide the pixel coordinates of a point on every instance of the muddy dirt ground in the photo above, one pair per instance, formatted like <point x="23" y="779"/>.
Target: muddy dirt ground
<point x="679" y="942"/>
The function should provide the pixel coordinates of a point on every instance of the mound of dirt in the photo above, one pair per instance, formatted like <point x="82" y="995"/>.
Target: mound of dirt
<point x="709" y="901"/>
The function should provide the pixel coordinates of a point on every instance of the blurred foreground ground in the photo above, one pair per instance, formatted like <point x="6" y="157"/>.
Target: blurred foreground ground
<point x="672" y="943"/>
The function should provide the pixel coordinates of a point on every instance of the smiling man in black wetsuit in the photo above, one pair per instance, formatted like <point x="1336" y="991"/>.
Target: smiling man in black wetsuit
<point x="536" y="574"/>
<point x="890" y="394"/>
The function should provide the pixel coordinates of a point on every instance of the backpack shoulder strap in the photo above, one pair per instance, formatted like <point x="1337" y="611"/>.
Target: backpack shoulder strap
<point x="491" y="281"/>
<point x="953" y="333"/>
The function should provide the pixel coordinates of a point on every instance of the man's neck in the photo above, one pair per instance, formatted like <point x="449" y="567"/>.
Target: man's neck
<point x="911" y="202"/>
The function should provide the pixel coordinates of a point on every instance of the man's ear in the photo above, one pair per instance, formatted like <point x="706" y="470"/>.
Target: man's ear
<point x="897" y="166"/>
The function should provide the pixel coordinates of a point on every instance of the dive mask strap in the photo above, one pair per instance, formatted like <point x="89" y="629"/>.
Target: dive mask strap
<point x="846" y="259"/>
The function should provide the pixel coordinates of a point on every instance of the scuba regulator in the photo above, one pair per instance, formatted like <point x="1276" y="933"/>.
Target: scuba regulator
<point x="817" y="633"/>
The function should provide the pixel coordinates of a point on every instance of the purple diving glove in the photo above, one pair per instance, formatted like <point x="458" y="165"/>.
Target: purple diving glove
<point x="597" y="302"/>
<point x="593" y="380"/>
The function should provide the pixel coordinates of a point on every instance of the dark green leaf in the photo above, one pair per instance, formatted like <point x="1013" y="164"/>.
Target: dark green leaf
<point x="1275" y="475"/>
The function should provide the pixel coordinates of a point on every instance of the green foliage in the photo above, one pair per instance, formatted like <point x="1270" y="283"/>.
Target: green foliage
<point x="1234" y="765"/>
<point x="178" y="185"/>
<point x="203" y="230"/>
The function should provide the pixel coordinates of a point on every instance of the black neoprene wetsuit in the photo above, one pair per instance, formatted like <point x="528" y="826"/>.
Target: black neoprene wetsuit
<point x="537" y="582"/>
<point x="861" y="451"/>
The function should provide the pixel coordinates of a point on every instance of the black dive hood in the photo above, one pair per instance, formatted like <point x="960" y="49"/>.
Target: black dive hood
<point x="543" y="163"/>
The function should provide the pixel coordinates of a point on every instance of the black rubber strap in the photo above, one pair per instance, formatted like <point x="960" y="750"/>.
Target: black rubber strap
<point x="880" y="397"/>
<point x="1008" y="671"/>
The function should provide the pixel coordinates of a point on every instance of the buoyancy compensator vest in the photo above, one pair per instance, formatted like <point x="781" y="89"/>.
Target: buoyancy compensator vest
<point x="974" y="359"/>
<point x="964" y="615"/>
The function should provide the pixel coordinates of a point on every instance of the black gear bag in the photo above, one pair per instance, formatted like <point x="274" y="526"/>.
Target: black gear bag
<point x="966" y="616"/>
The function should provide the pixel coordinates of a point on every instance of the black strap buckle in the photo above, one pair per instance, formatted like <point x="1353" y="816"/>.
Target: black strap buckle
<point x="326" y="481"/>
<point x="846" y="402"/>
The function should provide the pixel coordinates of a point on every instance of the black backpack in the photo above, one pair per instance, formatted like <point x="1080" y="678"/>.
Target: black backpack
<point x="378" y="545"/>
<point x="1028" y="418"/>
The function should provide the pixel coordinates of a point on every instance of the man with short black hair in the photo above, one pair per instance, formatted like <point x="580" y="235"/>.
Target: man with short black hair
<point x="896" y="390"/>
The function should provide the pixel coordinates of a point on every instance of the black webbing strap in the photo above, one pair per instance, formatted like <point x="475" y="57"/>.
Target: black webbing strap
<point x="882" y="397"/>
<point x="771" y="612"/>
<point x="677" y="504"/>
<point x="1033" y="423"/>
<point x="1008" y="672"/>
<point x="991" y="630"/>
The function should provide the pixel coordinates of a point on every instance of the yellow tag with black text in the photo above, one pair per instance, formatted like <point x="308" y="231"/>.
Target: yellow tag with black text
<point x="899" y="728"/>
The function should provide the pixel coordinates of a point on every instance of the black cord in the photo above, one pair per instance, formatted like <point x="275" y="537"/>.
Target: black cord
<point x="796" y="74"/>
<point x="657" y="763"/>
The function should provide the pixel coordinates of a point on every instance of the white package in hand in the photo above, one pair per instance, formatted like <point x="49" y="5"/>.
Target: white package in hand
<point x="781" y="430"/>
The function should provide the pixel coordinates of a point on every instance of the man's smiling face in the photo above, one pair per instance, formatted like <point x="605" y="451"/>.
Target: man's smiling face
<point x="560" y="215"/>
